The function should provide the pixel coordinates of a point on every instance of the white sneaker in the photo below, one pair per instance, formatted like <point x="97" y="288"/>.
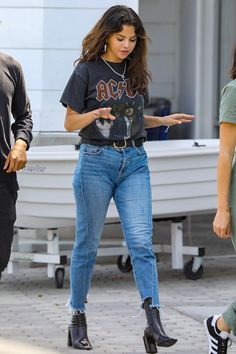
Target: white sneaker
<point x="218" y="341"/>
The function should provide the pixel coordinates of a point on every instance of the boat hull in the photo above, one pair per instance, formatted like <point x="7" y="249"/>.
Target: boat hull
<point x="183" y="179"/>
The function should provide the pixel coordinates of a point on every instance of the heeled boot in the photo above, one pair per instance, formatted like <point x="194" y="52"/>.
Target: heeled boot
<point x="77" y="332"/>
<point x="154" y="333"/>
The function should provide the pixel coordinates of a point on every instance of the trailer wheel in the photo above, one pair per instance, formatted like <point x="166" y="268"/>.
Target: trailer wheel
<point x="124" y="265"/>
<point x="59" y="277"/>
<point x="189" y="273"/>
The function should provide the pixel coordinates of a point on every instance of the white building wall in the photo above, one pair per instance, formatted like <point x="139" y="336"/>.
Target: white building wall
<point x="199" y="70"/>
<point x="45" y="36"/>
<point x="228" y="39"/>
<point x="161" y="20"/>
<point x="183" y="58"/>
<point x="207" y="68"/>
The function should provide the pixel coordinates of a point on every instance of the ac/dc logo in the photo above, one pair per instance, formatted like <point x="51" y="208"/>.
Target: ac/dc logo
<point x="106" y="90"/>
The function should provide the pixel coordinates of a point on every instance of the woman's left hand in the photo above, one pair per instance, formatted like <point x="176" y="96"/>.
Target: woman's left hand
<point x="221" y="224"/>
<point x="177" y="118"/>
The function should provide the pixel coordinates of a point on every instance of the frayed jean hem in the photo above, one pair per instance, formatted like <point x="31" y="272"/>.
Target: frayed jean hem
<point x="152" y="305"/>
<point x="71" y="309"/>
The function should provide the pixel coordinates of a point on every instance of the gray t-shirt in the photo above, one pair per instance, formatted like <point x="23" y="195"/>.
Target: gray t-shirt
<point x="228" y="103"/>
<point x="228" y="115"/>
<point x="93" y="85"/>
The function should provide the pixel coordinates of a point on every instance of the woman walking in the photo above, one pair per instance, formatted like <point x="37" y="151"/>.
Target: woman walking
<point x="105" y="98"/>
<point x="218" y="327"/>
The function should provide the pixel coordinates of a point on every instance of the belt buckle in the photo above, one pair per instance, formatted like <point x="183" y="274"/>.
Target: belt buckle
<point x="120" y="147"/>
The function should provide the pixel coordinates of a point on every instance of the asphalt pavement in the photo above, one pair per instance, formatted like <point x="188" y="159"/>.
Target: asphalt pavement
<point x="33" y="310"/>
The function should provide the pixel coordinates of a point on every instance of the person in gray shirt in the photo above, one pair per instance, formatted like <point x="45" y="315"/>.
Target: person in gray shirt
<point x="219" y="326"/>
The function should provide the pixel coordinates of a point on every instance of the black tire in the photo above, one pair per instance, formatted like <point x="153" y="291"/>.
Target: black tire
<point x="124" y="265"/>
<point x="59" y="277"/>
<point x="188" y="271"/>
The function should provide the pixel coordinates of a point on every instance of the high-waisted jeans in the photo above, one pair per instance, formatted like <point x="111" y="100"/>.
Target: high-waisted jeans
<point x="103" y="173"/>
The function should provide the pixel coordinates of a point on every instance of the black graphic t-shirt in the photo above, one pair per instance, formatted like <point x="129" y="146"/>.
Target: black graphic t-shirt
<point x="93" y="85"/>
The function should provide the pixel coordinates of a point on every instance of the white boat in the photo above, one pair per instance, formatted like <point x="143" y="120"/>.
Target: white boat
<point x="183" y="178"/>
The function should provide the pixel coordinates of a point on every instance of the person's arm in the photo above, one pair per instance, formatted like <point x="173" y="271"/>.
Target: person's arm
<point x="221" y="223"/>
<point x="21" y="110"/>
<point x="22" y="126"/>
<point x="172" y="119"/>
<point x="75" y="121"/>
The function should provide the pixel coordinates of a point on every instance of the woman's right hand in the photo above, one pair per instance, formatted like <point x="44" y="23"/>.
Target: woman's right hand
<point x="75" y="121"/>
<point x="104" y="112"/>
<point x="221" y="224"/>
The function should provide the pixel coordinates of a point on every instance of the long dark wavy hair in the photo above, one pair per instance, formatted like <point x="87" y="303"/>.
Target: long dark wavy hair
<point x="233" y="68"/>
<point x="111" y="22"/>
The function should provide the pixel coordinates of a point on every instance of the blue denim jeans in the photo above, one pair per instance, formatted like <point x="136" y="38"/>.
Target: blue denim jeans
<point x="103" y="173"/>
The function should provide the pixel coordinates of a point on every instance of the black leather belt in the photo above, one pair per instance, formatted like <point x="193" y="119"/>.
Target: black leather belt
<point x="121" y="144"/>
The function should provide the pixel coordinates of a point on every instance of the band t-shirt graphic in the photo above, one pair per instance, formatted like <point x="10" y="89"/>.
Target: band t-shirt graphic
<point x="94" y="85"/>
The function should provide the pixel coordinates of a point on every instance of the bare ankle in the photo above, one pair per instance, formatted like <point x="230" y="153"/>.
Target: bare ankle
<point x="222" y="325"/>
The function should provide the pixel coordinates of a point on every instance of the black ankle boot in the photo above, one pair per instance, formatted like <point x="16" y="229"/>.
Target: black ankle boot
<point x="154" y="334"/>
<point x="77" y="332"/>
